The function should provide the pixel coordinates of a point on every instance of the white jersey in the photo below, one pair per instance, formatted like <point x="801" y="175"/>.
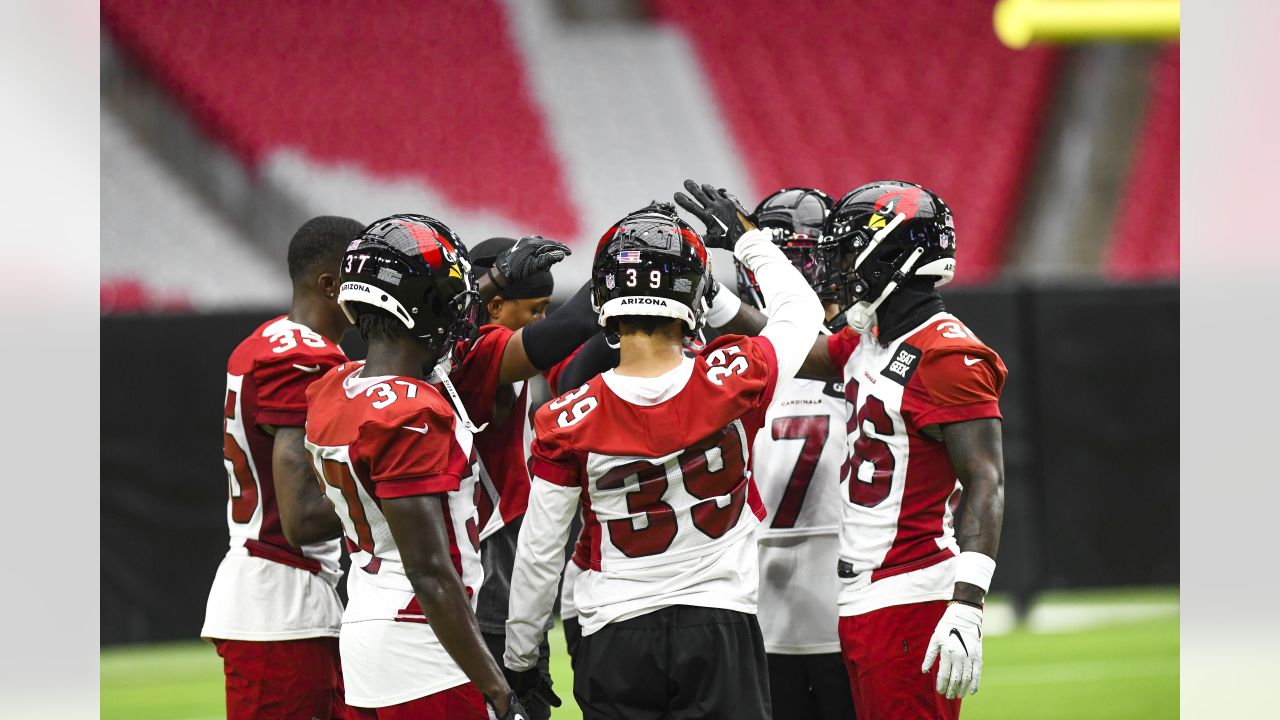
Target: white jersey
<point x="374" y="439"/>
<point x="797" y="459"/>
<point x="899" y="490"/>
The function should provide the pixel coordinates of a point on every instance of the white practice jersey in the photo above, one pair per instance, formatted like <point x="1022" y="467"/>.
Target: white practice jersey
<point x="796" y="464"/>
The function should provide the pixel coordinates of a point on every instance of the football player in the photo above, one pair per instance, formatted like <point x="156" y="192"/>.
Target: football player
<point x="924" y="442"/>
<point x="798" y="457"/>
<point x="397" y="462"/>
<point x="658" y="450"/>
<point x="273" y="611"/>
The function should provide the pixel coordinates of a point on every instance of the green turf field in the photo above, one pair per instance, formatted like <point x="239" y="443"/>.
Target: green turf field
<point x="1122" y="664"/>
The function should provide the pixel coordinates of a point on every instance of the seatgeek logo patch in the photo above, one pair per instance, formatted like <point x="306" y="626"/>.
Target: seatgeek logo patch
<point x="903" y="365"/>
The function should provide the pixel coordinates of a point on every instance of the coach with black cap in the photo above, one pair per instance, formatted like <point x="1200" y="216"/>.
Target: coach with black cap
<point x="519" y="303"/>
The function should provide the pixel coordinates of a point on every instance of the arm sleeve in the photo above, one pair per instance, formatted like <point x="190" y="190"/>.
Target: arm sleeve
<point x="539" y="559"/>
<point x="962" y="384"/>
<point x="796" y="315"/>
<point x="552" y="340"/>
<point x="405" y="461"/>
<point x="282" y="387"/>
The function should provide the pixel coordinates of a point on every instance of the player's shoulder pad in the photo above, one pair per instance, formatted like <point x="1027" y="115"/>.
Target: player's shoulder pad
<point x="559" y="414"/>
<point x="952" y="354"/>
<point x="408" y="403"/>
<point x="284" y="343"/>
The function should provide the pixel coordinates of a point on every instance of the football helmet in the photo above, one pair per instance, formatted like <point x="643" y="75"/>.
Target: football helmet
<point x="651" y="263"/>
<point x="415" y="268"/>
<point x="880" y="235"/>
<point x="795" y="217"/>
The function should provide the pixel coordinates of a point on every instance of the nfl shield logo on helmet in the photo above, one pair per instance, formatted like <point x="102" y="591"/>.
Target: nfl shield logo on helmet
<point x="609" y="282"/>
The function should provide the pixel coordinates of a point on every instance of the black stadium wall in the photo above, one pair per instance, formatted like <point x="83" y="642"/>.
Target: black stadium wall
<point x="1091" y="447"/>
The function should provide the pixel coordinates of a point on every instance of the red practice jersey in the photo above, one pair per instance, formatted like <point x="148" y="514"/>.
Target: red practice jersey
<point x="667" y="497"/>
<point x="267" y="379"/>
<point x="898" y="488"/>
<point x="388" y="437"/>
<point x="502" y="444"/>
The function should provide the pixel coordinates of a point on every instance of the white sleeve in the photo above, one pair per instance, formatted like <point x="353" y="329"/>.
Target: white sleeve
<point x="539" y="560"/>
<point x="795" y="313"/>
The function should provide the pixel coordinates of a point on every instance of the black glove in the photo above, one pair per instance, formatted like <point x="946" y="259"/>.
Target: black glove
<point x="721" y="213"/>
<point x="531" y="254"/>
<point x="515" y="710"/>
<point x="528" y="683"/>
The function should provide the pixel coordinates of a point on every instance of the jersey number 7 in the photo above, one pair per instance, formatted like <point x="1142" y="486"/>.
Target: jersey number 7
<point x="813" y="429"/>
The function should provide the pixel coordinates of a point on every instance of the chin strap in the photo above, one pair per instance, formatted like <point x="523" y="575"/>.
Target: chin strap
<point x="862" y="316"/>
<point x="441" y="375"/>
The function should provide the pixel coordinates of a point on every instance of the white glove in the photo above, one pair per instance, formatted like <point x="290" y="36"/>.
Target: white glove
<point x="957" y="642"/>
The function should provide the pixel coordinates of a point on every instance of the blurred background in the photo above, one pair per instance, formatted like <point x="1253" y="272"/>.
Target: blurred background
<point x="226" y="125"/>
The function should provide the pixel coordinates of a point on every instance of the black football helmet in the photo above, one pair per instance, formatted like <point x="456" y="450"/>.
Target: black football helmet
<point x="795" y="216"/>
<point x="651" y="263"/>
<point x="415" y="268"/>
<point x="880" y="235"/>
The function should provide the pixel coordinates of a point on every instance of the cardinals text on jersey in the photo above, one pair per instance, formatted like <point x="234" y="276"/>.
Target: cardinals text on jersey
<point x="796" y="463"/>
<point x="898" y="488"/>
<point x="265" y="588"/>
<point x="373" y="439"/>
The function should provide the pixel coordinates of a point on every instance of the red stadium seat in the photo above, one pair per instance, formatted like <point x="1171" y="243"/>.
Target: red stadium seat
<point x="817" y="92"/>
<point x="402" y="89"/>
<point x="1146" y="240"/>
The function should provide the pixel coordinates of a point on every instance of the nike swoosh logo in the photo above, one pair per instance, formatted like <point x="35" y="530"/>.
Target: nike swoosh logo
<point x="423" y="430"/>
<point x="971" y="361"/>
<point x="957" y="634"/>
<point x="307" y="368"/>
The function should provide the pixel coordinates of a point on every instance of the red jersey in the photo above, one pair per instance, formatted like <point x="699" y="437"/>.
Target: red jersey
<point x="898" y="488"/>
<point x="501" y="444"/>
<point x="267" y="379"/>
<point x="667" y="497"/>
<point x="374" y="438"/>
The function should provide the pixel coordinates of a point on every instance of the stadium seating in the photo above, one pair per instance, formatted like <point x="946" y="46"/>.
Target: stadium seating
<point x="821" y="94"/>
<point x="1146" y="240"/>
<point x="400" y="89"/>
<point x="163" y="248"/>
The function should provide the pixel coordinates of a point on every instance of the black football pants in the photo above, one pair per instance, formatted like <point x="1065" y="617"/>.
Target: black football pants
<point x="810" y="687"/>
<point x="675" y="663"/>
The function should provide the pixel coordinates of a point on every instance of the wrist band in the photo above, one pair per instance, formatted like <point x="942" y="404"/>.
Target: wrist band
<point x="976" y="569"/>
<point x="723" y="308"/>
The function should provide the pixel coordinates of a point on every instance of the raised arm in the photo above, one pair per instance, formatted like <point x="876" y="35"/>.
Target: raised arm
<point x="795" y="312"/>
<point x="418" y="525"/>
<point x="306" y="515"/>
<point x="536" y="348"/>
<point x="730" y="315"/>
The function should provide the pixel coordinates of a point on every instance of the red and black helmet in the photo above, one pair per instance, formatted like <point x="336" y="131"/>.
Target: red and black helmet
<point x="651" y="263"/>
<point x="795" y="217"/>
<point x="415" y="268"/>
<point x="881" y="234"/>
